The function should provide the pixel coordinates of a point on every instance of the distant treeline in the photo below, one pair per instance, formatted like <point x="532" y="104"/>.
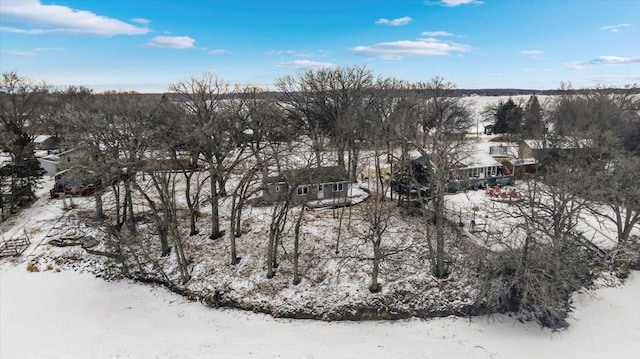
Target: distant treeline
<point x="515" y="92"/>
<point x="504" y="92"/>
<point x="454" y="92"/>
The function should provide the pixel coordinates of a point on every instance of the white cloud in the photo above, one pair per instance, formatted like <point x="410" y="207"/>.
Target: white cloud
<point x="603" y="60"/>
<point x="280" y="52"/>
<point x="545" y="69"/>
<point x="613" y="80"/>
<point x="172" y="42"/>
<point x="395" y="22"/>
<point x="576" y="65"/>
<point x="53" y="19"/>
<point x="534" y="54"/>
<point x="27" y="53"/>
<point x="399" y="49"/>
<point x="32" y="52"/>
<point x="303" y="53"/>
<point x="141" y="21"/>
<point x="615" y="28"/>
<point x="305" y="64"/>
<point x="218" y="51"/>
<point x="453" y="3"/>
<point x="615" y="60"/>
<point x="437" y="33"/>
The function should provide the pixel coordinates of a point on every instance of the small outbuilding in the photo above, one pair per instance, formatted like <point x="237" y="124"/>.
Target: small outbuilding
<point x="488" y="129"/>
<point x="519" y="167"/>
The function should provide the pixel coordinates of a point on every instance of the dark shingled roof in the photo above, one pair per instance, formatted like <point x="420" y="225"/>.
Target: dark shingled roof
<point x="315" y="175"/>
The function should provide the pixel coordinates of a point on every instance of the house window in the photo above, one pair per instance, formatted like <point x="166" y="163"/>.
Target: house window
<point x="338" y="187"/>
<point x="303" y="190"/>
<point x="494" y="170"/>
<point x="68" y="158"/>
<point x="320" y="188"/>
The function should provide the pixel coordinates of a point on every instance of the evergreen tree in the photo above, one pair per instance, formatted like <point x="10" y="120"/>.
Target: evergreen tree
<point x="508" y="117"/>
<point x="532" y="124"/>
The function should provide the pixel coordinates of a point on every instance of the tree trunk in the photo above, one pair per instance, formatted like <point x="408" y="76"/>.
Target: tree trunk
<point x="274" y="233"/>
<point x="375" y="286"/>
<point x="340" y="217"/>
<point x="354" y="165"/>
<point x="164" y="238"/>
<point x="222" y="186"/>
<point x="215" y="220"/>
<point x="340" y="152"/>
<point x="441" y="270"/>
<point x="232" y="229"/>
<point x="128" y="201"/>
<point x="97" y="195"/>
<point x="190" y="204"/>
<point x="238" y="219"/>
<point x="183" y="263"/>
<point x="317" y="149"/>
<point x="296" y="252"/>
<point x="270" y="253"/>
<point x="116" y="195"/>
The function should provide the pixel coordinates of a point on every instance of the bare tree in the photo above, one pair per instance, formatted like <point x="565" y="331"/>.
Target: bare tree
<point x="213" y="112"/>
<point x="88" y="130"/>
<point x="279" y="219"/>
<point x="326" y="102"/>
<point x="22" y="102"/>
<point x="245" y="188"/>
<point x="296" y="246"/>
<point x="376" y="218"/>
<point x="620" y="193"/>
<point x="598" y="124"/>
<point x="447" y="119"/>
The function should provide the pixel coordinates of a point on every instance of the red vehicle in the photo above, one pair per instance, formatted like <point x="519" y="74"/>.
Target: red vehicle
<point x="72" y="190"/>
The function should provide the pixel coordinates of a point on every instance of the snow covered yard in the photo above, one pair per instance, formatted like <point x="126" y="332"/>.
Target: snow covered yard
<point x="67" y="314"/>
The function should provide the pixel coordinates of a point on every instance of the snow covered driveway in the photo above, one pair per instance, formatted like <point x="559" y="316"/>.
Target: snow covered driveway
<point x="71" y="315"/>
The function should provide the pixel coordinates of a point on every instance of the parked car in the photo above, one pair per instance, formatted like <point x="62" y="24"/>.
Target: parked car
<point x="72" y="190"/>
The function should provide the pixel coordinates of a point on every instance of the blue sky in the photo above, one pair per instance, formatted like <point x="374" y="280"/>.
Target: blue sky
<point x="145" y="45"/>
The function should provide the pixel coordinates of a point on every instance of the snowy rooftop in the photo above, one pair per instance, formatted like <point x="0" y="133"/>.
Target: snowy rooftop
<point x="41" y="138"/>
<point x="563" y="143"/>
<point x="479" y="158"/>
<point x="523" y="161"/>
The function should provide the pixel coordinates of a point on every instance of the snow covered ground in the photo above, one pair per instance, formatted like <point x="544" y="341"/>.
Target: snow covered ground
<point x="66" y="314"/>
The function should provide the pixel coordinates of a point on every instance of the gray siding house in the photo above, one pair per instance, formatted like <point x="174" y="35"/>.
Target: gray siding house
<point x="307" y="184"/>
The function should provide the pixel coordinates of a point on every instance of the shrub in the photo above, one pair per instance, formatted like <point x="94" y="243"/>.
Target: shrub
<point x="538" y="287"/>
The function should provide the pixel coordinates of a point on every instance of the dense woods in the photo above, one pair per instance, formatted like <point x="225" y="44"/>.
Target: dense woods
<point x="179" y="177"/>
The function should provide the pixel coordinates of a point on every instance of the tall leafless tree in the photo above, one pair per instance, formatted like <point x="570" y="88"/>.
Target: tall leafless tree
<point x="212" y="110"/>
<point x="446" y="121"/>
<point x="22" y="102"/>
<point x="326" y="102"/>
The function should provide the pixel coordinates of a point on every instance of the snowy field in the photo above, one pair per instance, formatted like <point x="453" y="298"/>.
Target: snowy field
<point x="65" y="314"/>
